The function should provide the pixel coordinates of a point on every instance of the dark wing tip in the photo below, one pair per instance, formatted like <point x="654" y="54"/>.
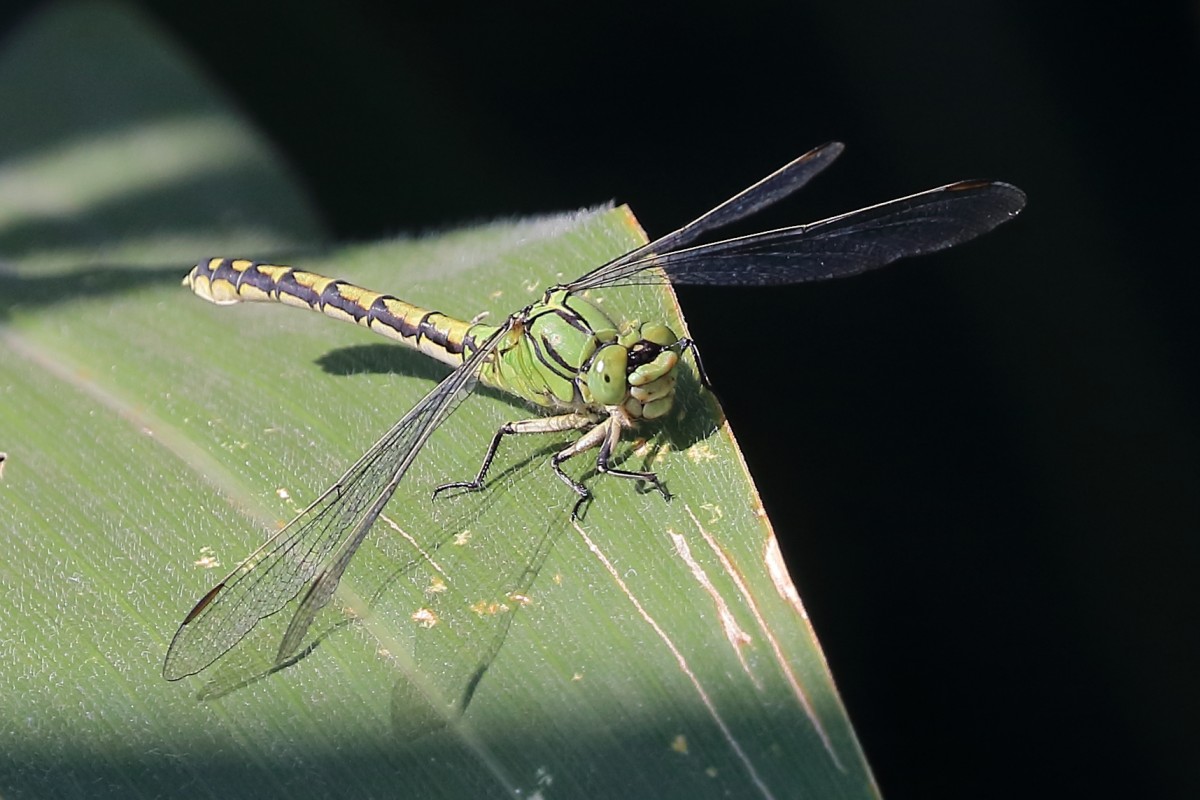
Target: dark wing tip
<point x="172" y="669"/>
<point x="203" y="604"/>
<point x="1006" y="196"/>
<point x="833" y="147"/>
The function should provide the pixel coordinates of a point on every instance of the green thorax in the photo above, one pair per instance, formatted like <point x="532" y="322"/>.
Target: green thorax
<point x="565" y="353"/>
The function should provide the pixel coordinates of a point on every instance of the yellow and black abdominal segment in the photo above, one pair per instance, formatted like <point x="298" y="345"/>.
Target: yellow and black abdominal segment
<point x="226" y="281"/>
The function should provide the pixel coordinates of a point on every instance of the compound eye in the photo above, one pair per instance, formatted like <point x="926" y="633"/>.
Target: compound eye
<point x="606" y="375"/>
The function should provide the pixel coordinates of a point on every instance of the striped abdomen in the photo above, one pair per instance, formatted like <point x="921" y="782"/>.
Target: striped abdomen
<point x="225" y="281"/>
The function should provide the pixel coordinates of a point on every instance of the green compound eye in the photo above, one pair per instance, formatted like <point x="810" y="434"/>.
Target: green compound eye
<point x="606" y="375"/>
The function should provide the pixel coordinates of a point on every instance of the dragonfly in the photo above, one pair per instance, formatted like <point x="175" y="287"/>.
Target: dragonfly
<point x="562" y="354"/>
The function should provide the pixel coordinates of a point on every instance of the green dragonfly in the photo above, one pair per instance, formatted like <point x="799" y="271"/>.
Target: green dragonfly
<point x="562" y="354"/>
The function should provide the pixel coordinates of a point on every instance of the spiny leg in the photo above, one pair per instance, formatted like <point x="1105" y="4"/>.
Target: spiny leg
<point x="605" y="436"/>
<point x="563" y="422"/>
<point x="592" y="438"/>
<point x="603" y="432"/>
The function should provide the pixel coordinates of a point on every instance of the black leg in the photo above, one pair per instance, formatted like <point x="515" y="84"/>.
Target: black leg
<point x="688" y="344"/>
<point x="477" y="483"/>
<point x="579" y="488"/>
<point x="649" y="477"/>
<point x="562" y="422"/>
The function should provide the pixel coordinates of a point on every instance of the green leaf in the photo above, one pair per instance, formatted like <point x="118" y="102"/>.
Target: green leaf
<point x="652" y="649"/>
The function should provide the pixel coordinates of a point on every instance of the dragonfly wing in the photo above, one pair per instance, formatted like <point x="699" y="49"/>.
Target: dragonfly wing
<point x="314" y="548"/>
<point x="779" y="184"/>
<point x="838" y="246"/>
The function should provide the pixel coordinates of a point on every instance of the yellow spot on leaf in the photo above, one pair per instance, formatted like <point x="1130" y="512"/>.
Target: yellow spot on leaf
<point x="425" y="617"/>
<point x="488" y="608"/>
<point x="679" y="744"/>
<point x="207" y="559"/>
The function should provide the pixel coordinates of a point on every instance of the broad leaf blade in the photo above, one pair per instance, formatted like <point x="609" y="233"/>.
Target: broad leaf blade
<point x="652" y="649"/>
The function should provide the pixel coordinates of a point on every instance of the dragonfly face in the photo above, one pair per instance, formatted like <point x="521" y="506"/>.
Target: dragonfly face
<point x="637" y="372"/>
<point x="565" y="354"/>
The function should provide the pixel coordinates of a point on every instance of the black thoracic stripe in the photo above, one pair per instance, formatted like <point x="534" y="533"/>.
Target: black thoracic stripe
<point x="544" y="352"/>
<point x="565" y="313"/>
<point x="550" y="351"/>
<point x="332" y="297"/>
<point x="427" y="330"/>
<point x="574" y="319"/>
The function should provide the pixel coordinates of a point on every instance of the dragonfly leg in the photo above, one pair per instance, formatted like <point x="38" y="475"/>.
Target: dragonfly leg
<point x="606" y="451"/>
<point x="593" y="438"/>
<point x="563" y="422"/>
<point x="688" y="344"/>
<point x="605" y="436"/>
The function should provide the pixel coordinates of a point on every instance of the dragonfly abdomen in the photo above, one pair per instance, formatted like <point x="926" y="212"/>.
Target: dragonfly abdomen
<point x="225" y="281"/>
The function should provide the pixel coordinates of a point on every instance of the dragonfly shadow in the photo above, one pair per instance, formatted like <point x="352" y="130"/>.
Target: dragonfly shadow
<point x="381" y="359"/>
<point x="696" y="416"/>
<point x="234" y="674"/>
<point x="390" y="359"/>
<point x="426" y="702"/>
<point x="460" y="596"/>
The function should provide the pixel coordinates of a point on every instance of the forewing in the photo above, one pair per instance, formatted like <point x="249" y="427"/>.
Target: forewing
<point x="314" y="548"/>
<point x="838" y="246"/>
<point x="779" y="184"/>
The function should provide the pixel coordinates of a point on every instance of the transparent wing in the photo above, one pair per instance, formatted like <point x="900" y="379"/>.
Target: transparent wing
<point x="314" y="548"/>
<point x="835" y="247"/>
<point x="779" y="184"/>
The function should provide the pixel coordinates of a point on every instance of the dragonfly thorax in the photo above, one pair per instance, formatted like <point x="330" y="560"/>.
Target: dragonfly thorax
<point x="566" y="353"/>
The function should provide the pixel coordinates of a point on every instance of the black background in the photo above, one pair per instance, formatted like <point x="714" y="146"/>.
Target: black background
<point x="983" y="464"/>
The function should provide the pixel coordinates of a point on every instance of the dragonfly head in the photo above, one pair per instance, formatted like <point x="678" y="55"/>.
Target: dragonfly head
<point x="637" y="371"/>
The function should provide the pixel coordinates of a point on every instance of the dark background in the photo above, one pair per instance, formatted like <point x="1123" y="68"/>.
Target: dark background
<point x="983" y="465"/>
